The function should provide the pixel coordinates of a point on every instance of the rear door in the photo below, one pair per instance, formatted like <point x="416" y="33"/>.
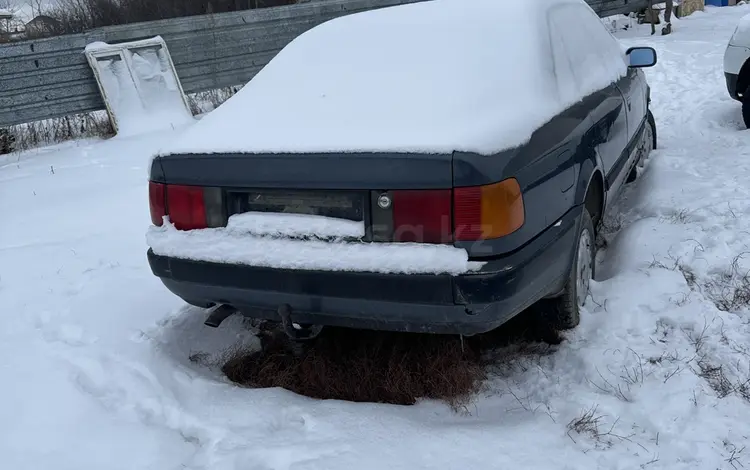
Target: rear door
<point x="586" y="57"/>
<point x="610" y="134"/>
<point x="634" y="90"/>
<point x="579" y="65"/>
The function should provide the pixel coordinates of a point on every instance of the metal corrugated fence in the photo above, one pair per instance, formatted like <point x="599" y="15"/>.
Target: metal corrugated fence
<point x="49" y="78"/>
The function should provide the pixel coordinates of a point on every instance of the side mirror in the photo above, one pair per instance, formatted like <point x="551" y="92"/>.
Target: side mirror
<point x="641" y="57"/>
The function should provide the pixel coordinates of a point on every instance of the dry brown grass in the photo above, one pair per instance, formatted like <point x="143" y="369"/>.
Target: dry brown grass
<point x="364" y="366"/>
<point x="95" y="124"/>
<point x="379" y="367"/>
<point x="206" y="101"/>
<point x="52" y="131"/>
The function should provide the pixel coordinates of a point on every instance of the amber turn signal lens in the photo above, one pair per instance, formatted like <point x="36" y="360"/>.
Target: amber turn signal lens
<point x="487" y="212"/>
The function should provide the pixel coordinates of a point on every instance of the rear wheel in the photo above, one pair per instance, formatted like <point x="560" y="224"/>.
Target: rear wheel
<point x="648" y="144"/>
<point x="566" y="310"/>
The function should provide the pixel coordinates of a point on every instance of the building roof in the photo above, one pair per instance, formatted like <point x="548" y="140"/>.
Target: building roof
<point x="44" y="19"/>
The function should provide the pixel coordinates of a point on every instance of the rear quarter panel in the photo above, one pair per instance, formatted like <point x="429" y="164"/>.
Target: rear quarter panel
<point x="547" y="168"/>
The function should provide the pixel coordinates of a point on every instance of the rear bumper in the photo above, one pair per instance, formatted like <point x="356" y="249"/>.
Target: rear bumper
<point x="467" y="304"/>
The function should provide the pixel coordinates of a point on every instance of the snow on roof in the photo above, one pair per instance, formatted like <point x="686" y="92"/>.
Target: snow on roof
<point x="5" y="13"/>
<point x="428" y="77"/>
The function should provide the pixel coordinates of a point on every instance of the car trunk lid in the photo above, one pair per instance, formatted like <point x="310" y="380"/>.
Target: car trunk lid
<point x="345" y="189"/>
<point x="343" y="171"/>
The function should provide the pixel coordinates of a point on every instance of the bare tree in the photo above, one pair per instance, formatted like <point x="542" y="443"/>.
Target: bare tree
<point x="37" y="7"/>
<point x="82" y="15"/>
<point x="9" y="25"/>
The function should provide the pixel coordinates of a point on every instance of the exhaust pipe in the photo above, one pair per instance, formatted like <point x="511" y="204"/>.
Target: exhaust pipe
<point x="218" y="315"/>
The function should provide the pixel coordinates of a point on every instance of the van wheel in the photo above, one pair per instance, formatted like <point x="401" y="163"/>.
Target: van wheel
<point x="652" y="121"/>
<point x="565" y="310"/>
<point x="746" y="108"/>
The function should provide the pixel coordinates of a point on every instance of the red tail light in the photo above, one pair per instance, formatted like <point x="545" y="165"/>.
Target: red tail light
<point x="184" y="205"/>
<point x="460" y="214"/>
<point x="422" y="216"/>
<point x="186" y="208"/>
<point x="157" y="201"/>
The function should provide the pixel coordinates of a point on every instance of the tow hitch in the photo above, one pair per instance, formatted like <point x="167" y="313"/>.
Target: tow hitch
<point x="295" y="331"/>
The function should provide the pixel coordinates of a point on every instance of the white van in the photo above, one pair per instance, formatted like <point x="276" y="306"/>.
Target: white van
<point x="737" y="66"/>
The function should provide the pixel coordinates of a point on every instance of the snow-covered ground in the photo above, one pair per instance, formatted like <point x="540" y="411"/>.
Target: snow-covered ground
<point x="95" y="352"/>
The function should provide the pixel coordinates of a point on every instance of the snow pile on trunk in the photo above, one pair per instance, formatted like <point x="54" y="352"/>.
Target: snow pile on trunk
<point x="294" y="226"/>
<point x="242" y="242"/>
<point x="428" y="77"/>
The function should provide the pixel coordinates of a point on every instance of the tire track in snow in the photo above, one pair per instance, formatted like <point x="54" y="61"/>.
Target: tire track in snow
<point x="152" y="391"/>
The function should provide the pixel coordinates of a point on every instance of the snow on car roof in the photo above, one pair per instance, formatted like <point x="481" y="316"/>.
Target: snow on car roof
<point x="429" y="77"/>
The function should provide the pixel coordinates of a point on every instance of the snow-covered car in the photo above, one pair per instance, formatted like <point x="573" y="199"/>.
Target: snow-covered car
<point x="737" y="66"/>
<point x="431" y="167"/>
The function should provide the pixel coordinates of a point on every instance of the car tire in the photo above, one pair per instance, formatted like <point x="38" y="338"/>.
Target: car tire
<point x="565" y="311"/>
<point x="746" y="108"/>
<point x="652" y="121"/>
<point x="649" y="144"/>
